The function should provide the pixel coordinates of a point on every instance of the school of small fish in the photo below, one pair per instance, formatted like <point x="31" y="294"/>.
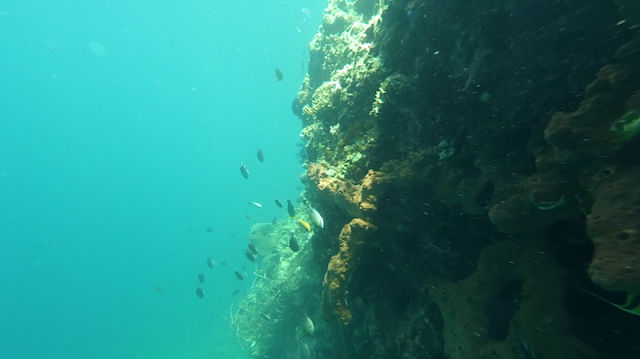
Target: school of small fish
<point x="313" y="218"/>
<point x="251" y="252"/>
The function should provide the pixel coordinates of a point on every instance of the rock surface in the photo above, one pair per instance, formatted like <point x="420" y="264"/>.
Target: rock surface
<point x="446" y="141"/>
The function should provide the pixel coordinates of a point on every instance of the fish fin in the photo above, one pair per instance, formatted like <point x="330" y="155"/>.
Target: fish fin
<point x="631" y="306"/>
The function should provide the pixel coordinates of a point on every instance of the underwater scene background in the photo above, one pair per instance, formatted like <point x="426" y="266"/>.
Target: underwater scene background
<point x="122" y="128"/>
<point x="308" y="179"/>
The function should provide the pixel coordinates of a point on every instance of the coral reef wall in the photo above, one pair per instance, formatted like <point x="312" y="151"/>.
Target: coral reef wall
<point x="431" y="135"/>
<point x="466" y="177"/>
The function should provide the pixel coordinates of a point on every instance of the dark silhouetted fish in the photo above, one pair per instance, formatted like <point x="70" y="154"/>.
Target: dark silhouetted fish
<point x="278" y="203"/>
<point x="293" y="243"/>
<point x="278" y="75"/>
<point x="201" y="277"/>
<point x="274" y="220"/>
<point x="244" y="171"/>
<point x="209" y="229"/>
<point x="200" y="292"/>
<point x="249" y="255"/>
<point x="290" y="209"/>
<point x="252" y="248"/>
<point x="260" y="155"/>
<point x="158" y="289"/>
<point x="236" y="292"/>
<point x="210" y="262"/>
<point x="223" y="263"/>
<point x="239" y="275"/>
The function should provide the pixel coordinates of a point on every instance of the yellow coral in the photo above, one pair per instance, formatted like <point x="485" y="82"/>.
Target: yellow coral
<point x="341" y="268"/>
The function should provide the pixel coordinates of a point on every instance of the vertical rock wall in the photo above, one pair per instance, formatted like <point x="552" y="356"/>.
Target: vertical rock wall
<point x="435" y="156"/>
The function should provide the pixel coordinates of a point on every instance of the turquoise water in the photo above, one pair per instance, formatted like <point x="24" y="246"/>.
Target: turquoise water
<point x="122" y="129"/>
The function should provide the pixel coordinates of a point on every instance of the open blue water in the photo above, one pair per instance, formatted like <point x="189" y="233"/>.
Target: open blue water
<point x="122" y="129"/>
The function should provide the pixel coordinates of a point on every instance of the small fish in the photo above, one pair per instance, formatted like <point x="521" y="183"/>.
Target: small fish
<point x="201" y="277"/>
<point x="247" y="217"/>
<point x="274" y="220"/>
<point x="209" y="229"/>
<point x="210" y="262"/>
<point x="223" y="263"/>
<point x="304" y="224"/>
<point x="200" y="292"/>
<point x="293" y="243"/>
<point x="305" y="352"/>
<point x="307" y="325"/>
<point x="239" y="275"/>
<point x="252" y="248"/>
<point x="255" y="204"/>
<point x="265" y="317"/>
<point x="528" y="350"/>
<point x="236" y="292"/>
<point x="158" y="289"/>
<point x="260" y="155"/>
<point x="249" y="255"/>
<point x="278" y="203"/>
<point x="278" y="75"/>
<point x="290" y="209"/>
<point x="244" y="171"/>
<point x="232" y="235"/>
<point x="315" y="217"/>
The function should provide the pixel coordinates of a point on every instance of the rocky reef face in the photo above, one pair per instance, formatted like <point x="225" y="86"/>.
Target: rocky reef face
<point x="475" y="163"/>
<point x="590" y="164"/>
